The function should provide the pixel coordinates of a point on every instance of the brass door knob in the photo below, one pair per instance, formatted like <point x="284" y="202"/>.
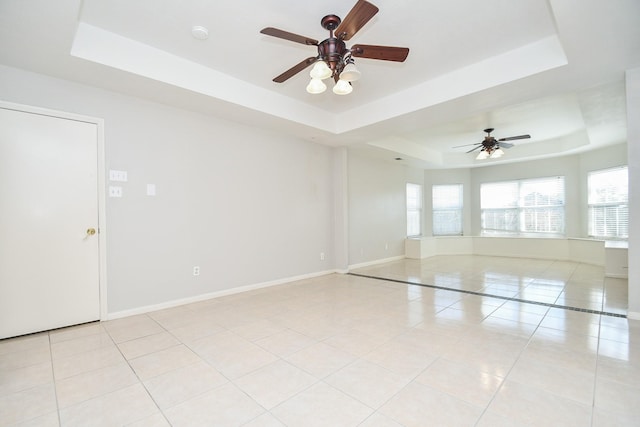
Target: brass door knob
<point x="91" y="231"/>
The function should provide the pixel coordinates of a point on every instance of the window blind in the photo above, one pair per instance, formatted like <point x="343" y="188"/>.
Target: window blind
<point x="608" y="198"/>
<point x="447" y="209"/>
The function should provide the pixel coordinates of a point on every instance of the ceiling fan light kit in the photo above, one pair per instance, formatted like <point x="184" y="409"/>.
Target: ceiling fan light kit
<point x="490" y="148"/>
<point x="334" y="59"/>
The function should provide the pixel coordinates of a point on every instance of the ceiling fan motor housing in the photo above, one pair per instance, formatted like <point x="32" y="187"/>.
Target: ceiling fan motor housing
<point x="333" y="49"/>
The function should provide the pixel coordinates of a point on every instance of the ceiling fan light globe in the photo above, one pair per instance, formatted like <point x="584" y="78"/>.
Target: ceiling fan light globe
<point x="350" y="73"/>
<point x="482" y="155"/>
<point x="497" y="154"/>
<point x="320" y="71"/>
<point x="342" y="87"/>
<point x="316" y="86"/>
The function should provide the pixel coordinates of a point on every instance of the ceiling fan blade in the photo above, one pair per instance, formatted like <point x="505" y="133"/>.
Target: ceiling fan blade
<point x="281" y="34"/>
<point x="512" y="138"/>
<point x="474" y="149"/>
<point x="295" y="69"/>
<point x="505" y="145"/>
<point x="467" y="145"/>
<point x="357" y="17"/>
<point x="386" y="53"/>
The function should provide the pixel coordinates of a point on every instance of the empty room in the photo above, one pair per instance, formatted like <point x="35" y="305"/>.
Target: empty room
<point x="323" y="213"/>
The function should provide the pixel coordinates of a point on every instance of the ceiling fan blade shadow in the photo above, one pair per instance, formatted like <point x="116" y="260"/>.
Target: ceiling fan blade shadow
<point x="357" y="17"/>
<point x="295" y="69"/>
<point x="506" y="145"/>
<point x="281" y="34"/>
<point x="385" y="53"/>
<point x="512" y="138"/>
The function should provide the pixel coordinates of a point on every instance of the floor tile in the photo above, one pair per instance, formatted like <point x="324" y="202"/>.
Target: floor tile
<point x="15" y="380"/>
<point x="275" y="383"/>
<point x="87" y="385"/>
<point x="224" y="406"/>
<point x="369" y="383"/>
<point x="464" y="382"/>
<point x="418" y="405"/>
<point x="184" y="383"/>
<point x="76" y="364"/>
<point x="27" y="404"/>
<point x="532" y="406"/>
<point x="285" y="343"/>
<point x="150" y="344"/>
<point x="160" y="362"/>
<point x="615" y="397"/>
<point x="321" y="360"/>
<point x="321" y="406"/>
<point x="120" y="407"/>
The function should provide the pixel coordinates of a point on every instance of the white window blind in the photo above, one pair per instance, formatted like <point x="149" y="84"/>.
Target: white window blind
<point x="523" y="206"/>
<point x="414" y="209"/>
<point x="608" y="197"/>
<point x="447" y="209"/>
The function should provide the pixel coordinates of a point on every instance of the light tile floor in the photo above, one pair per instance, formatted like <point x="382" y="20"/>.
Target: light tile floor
<point x="343" y="350"/>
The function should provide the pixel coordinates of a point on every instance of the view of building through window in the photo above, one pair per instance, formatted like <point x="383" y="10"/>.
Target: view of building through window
<point x="523" y="206"/>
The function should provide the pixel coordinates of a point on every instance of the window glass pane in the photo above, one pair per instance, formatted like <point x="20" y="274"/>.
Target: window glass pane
<point x="523" y="206"/>
<point x="414" y="209"/>
<point x="608" y="211"/>
<point x="447" y="209"/>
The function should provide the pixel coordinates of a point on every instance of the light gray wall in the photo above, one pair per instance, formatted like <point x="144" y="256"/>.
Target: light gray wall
<point x="247" y="206"/>
<point x="377" y="208"/>
<point x="633" y="152"/>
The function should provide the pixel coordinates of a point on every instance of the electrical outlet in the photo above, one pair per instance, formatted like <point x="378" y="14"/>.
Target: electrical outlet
<point x="321" y="256"/>
<point x="196" y="271"/>
<point x="115" y="191"/>
<point x="386" y="246"/>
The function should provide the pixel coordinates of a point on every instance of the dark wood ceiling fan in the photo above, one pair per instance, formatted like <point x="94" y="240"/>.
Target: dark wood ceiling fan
<point x="333" y="50"/>
<point x="489" y="143"/>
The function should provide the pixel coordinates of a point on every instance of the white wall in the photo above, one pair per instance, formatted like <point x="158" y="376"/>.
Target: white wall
<point x="245" y="205"/>
<point x="633" y="150"/>
<point x="377" y="208"/>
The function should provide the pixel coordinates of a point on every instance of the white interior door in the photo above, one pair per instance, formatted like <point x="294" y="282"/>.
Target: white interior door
<point x="49" y="258"/>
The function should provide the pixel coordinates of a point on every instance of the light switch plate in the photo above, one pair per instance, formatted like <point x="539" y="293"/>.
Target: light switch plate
<point x="151" y="189"/>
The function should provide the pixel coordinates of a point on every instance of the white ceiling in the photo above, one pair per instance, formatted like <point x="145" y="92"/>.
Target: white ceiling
<point x="553" y="69"/>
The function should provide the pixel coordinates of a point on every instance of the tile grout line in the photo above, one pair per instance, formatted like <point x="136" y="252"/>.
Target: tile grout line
<point x="482" y="294"/>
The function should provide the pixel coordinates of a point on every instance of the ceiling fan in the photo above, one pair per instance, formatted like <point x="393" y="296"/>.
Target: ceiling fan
<point x="491" y="147"/>
<point x="334" y="59"/>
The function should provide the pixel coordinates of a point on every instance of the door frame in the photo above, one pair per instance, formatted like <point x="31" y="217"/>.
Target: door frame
<point x="100" y="187"/>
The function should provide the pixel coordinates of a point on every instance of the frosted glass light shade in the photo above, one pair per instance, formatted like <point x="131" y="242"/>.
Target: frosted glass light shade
<point x="316" y="86"/>
<point x="350" y="73"/>
<point x="342" y="87"/>
<point x="482" y="155"/>
<point x="320" y="71"/>
<point x="497" y="154"/>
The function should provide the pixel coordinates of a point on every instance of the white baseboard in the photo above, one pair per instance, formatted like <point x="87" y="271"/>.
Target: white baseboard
<point x="217" y="294"/>
<point x="378" y="261"/>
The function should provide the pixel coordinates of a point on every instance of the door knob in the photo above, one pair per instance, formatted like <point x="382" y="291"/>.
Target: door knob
<point x="91" y="231"/>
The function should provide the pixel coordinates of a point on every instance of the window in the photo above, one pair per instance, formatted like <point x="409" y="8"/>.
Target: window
<point x="607" y="199"/>
<point x="447" y="210"/>
<point x="523" y="206"/>
<point x="414" y="209"/>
